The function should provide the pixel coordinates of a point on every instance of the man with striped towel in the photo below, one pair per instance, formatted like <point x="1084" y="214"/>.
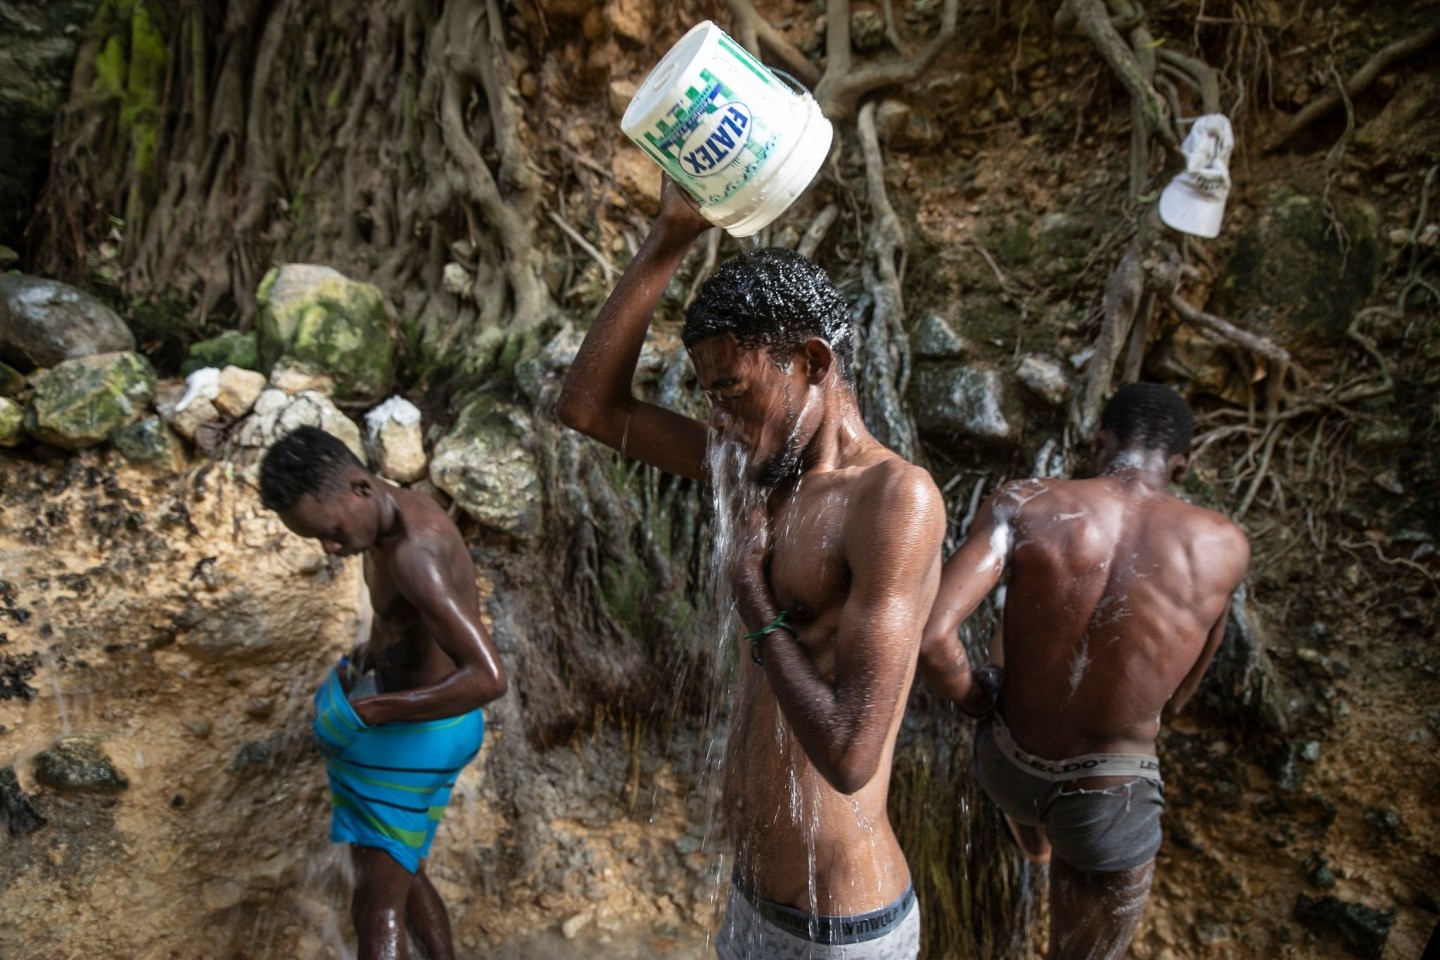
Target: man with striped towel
<point x="398" y="719"/>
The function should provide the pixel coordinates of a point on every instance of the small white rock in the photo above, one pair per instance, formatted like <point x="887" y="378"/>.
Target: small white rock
<point x="272" y="400"/>
<point x="571" y="928"/>
<point x="238" y="389"/>
<point x="396" y="445"/>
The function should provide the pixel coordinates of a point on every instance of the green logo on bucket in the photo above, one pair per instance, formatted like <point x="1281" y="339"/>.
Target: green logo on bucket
<point x="687" y="114"/>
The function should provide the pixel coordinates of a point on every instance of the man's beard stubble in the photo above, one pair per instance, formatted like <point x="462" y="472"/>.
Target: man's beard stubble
<point x="785" y="463"/>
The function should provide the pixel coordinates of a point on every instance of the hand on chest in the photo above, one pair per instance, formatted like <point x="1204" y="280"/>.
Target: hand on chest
<point x="809" y="575"/>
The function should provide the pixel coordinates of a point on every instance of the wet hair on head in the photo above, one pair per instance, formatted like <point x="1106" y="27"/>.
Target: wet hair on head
<point x="1149" y="416"/>
<point x="307" y="460"/>
<point x="774" y="298"/>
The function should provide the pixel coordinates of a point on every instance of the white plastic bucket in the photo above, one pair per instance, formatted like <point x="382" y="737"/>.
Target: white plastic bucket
<point x="742" y="142"/>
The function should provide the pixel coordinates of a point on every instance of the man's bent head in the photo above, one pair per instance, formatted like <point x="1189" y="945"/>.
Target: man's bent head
<point x="321" y="491"/>
<point x="1145" y="419"/>
<point x="763" y="331"/>
<point x="776" y="299"/>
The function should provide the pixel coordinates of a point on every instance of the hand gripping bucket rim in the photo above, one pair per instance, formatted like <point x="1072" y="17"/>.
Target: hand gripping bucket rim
<point x="682" y="99"/>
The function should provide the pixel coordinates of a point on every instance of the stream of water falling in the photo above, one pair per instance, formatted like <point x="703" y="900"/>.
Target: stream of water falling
<point x="732" y="496"/>
<point x="62" y="699"/>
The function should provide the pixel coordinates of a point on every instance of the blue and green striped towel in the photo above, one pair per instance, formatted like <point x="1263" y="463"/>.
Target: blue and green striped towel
<point x="389" y="784"/>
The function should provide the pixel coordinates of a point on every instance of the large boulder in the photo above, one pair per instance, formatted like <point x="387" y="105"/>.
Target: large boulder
<point x="1302" y="270"/>
<point x="80" y="403"/>
<point x="46" y="322"/>
<point x="485" y="466"/>
<point x="318" y="316"/>
<point x="978" y="403"/>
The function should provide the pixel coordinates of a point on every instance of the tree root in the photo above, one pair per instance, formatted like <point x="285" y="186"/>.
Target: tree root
<point x="1357" y="545"/>
<point x="755" y="32"/>
<point x="1123" y="294"/>
<point x="609" y="268"/>
<point x="883" y="351"/>
<point x="1092" y="17"/>
<point x="815" y="233"/>
<point x="1358" y="83"/>
<point x="1198" y="74"/>
<point x="843" y="84"/>
<point x="1230" y="333"/>
<point x="251" y="165"/>
<point x="707" y="266"/>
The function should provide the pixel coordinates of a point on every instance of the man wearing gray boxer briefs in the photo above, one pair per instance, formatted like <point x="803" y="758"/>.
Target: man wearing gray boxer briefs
<point x="833" y="581"/>
<point x="1116" y="602"/>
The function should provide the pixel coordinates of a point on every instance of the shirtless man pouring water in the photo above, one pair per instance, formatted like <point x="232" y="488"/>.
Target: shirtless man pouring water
<point x="1116" y="603"/>
<point x="833" y="578"/>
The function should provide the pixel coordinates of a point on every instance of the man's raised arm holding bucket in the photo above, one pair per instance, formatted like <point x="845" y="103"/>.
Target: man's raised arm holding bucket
<point x="598" y="399"/>
<point x="833" y="582"/>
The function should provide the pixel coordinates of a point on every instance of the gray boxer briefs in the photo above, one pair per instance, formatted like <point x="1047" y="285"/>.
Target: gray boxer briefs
<point x="1102" y="829"/>
<point x="760" y="930"/>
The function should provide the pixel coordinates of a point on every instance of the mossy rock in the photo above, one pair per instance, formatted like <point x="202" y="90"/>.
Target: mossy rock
<point x="485" y="466"/>
<point x="150" y="442"/>
<point x="1301" y="272"/>
<point x="977" y="403"/>
<point x="231" y="349"/>
<point x="12" y="423"/>
<point x="81" y="403"/>
<point x="77" y="764"/>
<point x="322" y="318"/>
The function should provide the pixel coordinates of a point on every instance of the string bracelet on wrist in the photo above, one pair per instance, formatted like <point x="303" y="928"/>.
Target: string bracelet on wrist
<point x="777" y="624"/>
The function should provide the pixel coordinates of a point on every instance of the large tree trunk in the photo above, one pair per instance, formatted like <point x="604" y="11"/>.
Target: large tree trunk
<point x="203" y="142"/>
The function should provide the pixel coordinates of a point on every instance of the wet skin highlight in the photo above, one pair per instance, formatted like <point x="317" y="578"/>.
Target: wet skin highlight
<point x="845" y="539"/>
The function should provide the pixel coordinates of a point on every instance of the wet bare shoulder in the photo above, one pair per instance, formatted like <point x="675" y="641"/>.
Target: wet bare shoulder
<point x="432" y="549"/>
<point x="900" y="489"/>
<point x="1222" y="540"/>
<point x="1025" y="502"/>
